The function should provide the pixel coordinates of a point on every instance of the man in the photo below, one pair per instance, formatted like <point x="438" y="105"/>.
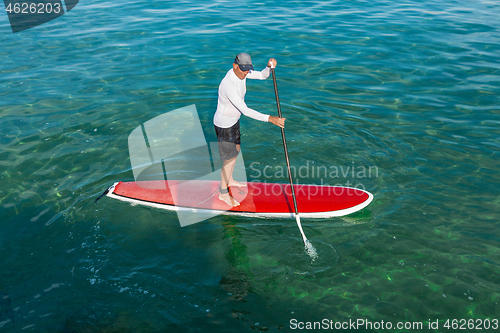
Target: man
<point x="230" y="106"/>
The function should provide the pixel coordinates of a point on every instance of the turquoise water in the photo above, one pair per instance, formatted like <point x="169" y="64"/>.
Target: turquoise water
<point x="408" y="89"/>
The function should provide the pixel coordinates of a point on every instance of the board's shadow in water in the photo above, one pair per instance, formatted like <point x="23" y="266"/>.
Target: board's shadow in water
<point x="237" y="280"/>
<point x="274" y="255"/>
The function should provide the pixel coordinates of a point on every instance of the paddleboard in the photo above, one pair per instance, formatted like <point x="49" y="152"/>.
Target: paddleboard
<point x="257" y="199"/>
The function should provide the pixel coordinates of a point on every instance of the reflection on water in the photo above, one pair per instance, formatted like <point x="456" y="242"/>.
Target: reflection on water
<point x="236" y="281"/>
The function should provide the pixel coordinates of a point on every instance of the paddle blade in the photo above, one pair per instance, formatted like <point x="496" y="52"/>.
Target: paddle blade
<point x="310" y="250"/>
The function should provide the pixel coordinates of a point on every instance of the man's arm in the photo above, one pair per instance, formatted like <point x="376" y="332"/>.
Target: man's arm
<point x="263" y="74"/>
<point x="240" y="104"/>
<point x="260" y="75"/>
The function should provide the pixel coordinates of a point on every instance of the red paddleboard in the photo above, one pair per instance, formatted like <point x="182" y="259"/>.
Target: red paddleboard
<point x="257" y="199"/>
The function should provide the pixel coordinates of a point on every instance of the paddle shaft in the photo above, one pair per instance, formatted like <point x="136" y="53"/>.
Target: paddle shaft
<point x="286" y="157"/>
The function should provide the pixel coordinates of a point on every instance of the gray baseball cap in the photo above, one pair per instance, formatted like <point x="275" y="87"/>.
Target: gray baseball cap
<point x="244" y="61"/>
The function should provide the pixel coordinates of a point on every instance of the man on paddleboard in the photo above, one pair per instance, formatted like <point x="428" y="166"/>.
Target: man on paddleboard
<point x="230" y="106"/>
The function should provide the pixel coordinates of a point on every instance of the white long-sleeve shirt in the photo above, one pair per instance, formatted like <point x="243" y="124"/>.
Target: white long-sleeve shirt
<point x="231" y="102"/>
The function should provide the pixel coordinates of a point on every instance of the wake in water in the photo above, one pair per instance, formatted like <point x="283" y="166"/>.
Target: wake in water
<point x="311" y="250"/>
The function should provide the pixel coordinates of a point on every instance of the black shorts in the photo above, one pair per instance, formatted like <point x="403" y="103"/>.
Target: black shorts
<point x="228" y="138"/>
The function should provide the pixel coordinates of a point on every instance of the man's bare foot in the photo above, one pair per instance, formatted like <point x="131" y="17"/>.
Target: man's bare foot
<point x="234" y="183"/>
<point x="227" y="198"/>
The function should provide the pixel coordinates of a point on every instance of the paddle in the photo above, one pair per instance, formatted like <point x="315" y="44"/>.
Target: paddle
<point x="308" y="246"/>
